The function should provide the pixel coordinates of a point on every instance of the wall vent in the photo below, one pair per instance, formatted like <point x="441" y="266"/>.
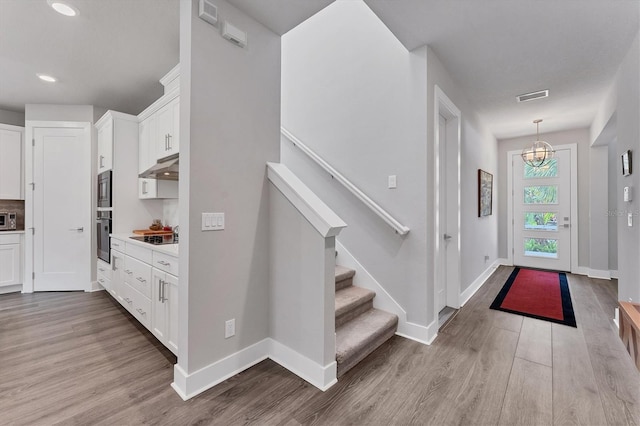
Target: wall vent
<point x="234" y="35"/>
<point x="208" y="12"/>
<point x="533" y="95"/>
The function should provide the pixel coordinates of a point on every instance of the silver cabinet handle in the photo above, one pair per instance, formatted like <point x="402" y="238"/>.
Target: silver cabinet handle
<point x="141" y="312"/>
<point x="128" y="272"/>
<point x="126" y="299"/>
<point x="142" y="280"/>
<point x="101" y="163"/>
<point x="115" y="244"/>
<point x="163" y="263"/>
<point x="159" y="290"/>
<point x="144" y="186"/>
<point x="101" y="269"/>
<point x="81" y="229"/>
<point x="447" y="237"/>
<point x="169" y="141"/>
<point x="101" y="280"/>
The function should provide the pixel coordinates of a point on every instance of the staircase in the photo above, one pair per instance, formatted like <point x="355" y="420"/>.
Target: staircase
<point x="360" y="328"/>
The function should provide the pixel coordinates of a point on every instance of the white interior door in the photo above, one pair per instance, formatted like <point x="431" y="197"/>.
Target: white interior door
<point x="542" y="211"/>
<point x="446" y="237"/>
<point x="62" y="208"/>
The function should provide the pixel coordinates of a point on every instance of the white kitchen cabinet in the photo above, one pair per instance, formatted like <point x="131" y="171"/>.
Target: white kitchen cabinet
<point x="117" y="271"/>
<point x="10" y="260"/>
<point x="164" y="320"/>
<point x="105" y="144"/>
<point x="168" y="136"/>
<point x="104" y="273"/>
<point x="11" y="162"/>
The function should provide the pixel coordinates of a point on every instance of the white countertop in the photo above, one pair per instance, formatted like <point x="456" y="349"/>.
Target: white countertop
<point x="170" y="249"/>
<point x="12" y="232"/>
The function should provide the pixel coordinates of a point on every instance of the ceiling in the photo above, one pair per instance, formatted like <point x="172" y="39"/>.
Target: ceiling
<point x="113" y="54"/>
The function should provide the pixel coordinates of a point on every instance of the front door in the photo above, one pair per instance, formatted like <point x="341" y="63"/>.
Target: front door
<point x="542" y="211"/>
<point x="62" y="208"/>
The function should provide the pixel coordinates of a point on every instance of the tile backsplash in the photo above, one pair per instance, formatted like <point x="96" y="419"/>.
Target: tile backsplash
<point x="14" y="206"/>
<point x="170" y="212"/>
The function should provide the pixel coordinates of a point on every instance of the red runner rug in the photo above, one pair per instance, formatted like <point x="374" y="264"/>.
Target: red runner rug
<point x="538" y="294"/>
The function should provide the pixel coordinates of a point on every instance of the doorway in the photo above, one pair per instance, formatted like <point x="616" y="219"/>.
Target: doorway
<point x="543" y="218"/>
<point x="58" y="205"/>
<point x="447" y="209"/>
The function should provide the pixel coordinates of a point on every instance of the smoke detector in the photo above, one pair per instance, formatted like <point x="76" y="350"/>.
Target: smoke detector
<point x="533" y="95"/>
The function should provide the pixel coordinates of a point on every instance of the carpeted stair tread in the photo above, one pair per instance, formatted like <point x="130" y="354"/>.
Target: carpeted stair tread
<point x="352" y="301"/>
<point x="362" y="335"/>
<point x="344" y="277"/>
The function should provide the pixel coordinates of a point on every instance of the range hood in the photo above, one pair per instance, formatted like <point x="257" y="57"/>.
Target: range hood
<point x="165" y="169"/>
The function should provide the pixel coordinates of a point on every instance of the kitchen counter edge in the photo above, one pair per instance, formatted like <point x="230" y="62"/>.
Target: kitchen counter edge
<point x="12" y="232"/>
<point x="170" y="249"/>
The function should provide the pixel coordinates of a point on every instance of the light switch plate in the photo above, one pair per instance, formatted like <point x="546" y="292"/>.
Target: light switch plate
<point x="393" y="182"/>
<point x="230" y="328"/>
<point x="212" y="221"/>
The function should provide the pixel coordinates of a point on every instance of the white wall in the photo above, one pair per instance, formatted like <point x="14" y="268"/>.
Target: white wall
<point x="478" y="150"/>
<point x="612" y="190"/>
<point x="230" y="120"/>
<point x="48" y="112"/>
<point x="582" y="139"/>
<point x="628" y="138"/>
<point x="12" y="117"/>
<point x="354" y="95"/>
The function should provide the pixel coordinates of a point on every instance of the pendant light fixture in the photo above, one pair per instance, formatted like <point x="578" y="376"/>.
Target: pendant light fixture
<point x="540" y="153"/>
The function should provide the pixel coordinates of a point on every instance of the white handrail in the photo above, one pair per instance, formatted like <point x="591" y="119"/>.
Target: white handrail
<point x="384" y="215"/>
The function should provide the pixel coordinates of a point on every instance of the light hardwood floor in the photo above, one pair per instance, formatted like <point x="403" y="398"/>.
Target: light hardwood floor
<point x="79" y="358"/>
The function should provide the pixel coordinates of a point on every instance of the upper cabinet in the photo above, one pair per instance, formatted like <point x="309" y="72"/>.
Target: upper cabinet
<point x="105" y="144"/>
<point x="148" y="134"/>
<point x="11" y="162"/>
<point x="168" y="137"/>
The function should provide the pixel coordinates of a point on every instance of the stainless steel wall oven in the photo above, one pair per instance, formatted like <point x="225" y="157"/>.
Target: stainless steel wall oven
<point x="104" y="229"/>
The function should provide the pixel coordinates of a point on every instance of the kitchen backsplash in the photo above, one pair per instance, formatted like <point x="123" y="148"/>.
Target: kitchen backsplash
<point x="14" y="206"/>
<point x="170" y="212"/>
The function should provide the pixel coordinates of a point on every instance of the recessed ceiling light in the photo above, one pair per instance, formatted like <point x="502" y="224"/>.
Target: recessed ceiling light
<point x="47" y="78"/>
<point x="63" y="8"/>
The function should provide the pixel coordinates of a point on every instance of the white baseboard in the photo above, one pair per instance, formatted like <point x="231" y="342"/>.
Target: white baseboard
<point x="504" y="261"/>
<point x="614" y="274"/>
<point x="581" y="270"/>
<point x="478" y="282"/>
<point x="322" y="377"/>
<point x="11" y="289"/>
<point x="600" y="274"/>
<point x="95" y="286"/>
<point x="384" y="300"/>
<point x="190" y="385"/>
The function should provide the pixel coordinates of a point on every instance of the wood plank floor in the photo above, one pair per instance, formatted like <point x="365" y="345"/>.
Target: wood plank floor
<point x="79" y="358"/>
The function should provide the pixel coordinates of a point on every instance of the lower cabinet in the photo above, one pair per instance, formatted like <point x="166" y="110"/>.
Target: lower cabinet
<point x="148" y="293"/>
<point x="165" y="308"/>
<point x="10" y="260"/>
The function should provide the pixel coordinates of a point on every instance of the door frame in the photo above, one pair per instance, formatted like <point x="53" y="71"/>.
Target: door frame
<point x="573" y="149"/>
<point x="445" y="107"/>
<point x="87" y="127"/>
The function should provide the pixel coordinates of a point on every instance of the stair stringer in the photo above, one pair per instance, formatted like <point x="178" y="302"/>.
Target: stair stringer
<point x="384" y="300"/>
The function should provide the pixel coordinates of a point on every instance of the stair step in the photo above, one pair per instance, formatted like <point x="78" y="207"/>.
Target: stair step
<point x="362" y="335"/>
<point x="352" y="301"/>
<point x="344" y="277"/>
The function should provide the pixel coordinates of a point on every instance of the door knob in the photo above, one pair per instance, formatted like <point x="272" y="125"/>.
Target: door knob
<point x="81" y="229"/>
<point x="447" y="237"/>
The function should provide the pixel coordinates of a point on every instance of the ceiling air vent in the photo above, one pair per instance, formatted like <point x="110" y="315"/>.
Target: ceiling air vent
<point x="533" y="95"/>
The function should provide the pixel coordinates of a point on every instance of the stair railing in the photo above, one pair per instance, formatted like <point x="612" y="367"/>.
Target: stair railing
<point x="382" y="213"/>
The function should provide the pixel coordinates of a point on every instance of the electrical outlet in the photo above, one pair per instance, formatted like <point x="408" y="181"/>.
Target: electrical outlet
<point x="230" y="328"/>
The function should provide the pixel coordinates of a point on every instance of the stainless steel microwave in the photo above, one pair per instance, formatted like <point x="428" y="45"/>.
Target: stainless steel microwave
<point x="104" y="189"/>
<point x="8" y="221"/>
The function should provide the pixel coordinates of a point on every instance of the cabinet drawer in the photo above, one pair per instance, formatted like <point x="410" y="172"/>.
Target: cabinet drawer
<point x="117" y="244"/>
<point x="138" y="275"/>
<point x="10" y="239"/>
<point x="141" y="307"/>
<point x="104" y="282"/>
<point x="104" y="269"/>
<point x="125" y="298"/>
<point x="140" y="253"/>
<point x="165" y="263"/>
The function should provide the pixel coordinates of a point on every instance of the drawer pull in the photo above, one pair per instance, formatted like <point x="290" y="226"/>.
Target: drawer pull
<point x="141" y="312"/>
<point x="142" y="280"/>
<point x="163" y="263"/>
<point x="128" y="271"/>
<point x="101" y="280"/>
<point x="126" y="299"/>
<point x="101" y="269"/>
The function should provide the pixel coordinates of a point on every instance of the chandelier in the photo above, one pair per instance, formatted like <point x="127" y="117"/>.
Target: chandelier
<point x="540" y="153"/>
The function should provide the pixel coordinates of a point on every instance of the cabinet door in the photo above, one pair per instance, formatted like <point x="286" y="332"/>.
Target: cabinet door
<point x="117" y="275"/>
<point x="168" y="139"/>
<point x="11" y="147"/>
<point x="147" y="188"/>
<point x="170" y="293"/>
<point x="148" y="135"/>
<point x="158" y="307"/>
<point x="10" y="261"/>
<point x="105" y="147"/>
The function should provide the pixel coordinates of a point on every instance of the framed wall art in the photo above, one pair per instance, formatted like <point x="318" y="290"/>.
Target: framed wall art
<point x="485" y="193"/>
